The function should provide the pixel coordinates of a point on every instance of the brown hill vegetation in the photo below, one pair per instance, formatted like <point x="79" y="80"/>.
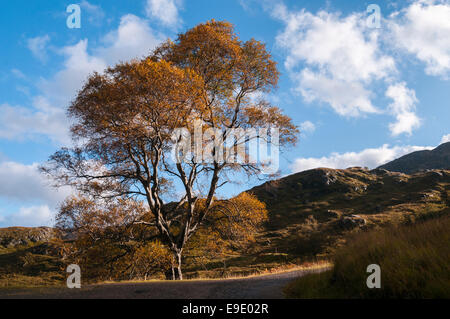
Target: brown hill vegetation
<point x="310" y="215"/>
<point x="438" y="158"/>
<point x="311" y="212"/>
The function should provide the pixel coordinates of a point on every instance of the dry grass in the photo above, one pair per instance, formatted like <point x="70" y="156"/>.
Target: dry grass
<point x="277" y="270"/>
<point x="14" y="281"/>
<point x="267" y="272"/>
<point x="305" y="213"/>
<point x="414" y="261"/>
<point x="26" y="267"/>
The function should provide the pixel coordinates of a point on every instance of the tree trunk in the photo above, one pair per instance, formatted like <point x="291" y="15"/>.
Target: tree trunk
<point x="177" y="268"/>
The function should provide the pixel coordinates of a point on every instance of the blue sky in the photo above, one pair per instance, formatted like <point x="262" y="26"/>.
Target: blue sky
<point x="362" y="95"/>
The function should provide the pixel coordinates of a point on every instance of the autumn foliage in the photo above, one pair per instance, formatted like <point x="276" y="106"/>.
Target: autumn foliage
<point x="108" y="246"/>
<point x="124" y="119"/>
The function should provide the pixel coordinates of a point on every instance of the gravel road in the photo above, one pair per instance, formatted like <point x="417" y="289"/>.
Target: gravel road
<point x="258" y="287"/>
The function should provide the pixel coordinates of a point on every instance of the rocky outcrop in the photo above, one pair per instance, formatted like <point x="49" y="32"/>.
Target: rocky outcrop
<point x="352" y="221"/>
<point x="20" y="236"/>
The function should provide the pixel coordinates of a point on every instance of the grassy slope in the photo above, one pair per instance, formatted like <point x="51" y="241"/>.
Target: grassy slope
<point x="305" y="219"/>
<point x="33" y="265"/>
<point x="306" y="212"/>
<point x="421" y="160"/>
<point x="306" y="209"/>
<point x="414" y="261"/>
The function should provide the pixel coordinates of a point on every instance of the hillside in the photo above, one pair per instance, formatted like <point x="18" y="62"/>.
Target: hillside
<point x="17" y="236"/>
<point x="438" y="158"/>
<point x="29" y="257"/>
<point x="311" y="214"/>
<point x="414" y="261"/>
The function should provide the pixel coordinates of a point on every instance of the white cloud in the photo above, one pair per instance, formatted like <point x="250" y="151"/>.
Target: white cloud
<point x="403" y="108"/>
<point x="371" y="157"/>
<point x="78" y="64"/>
<point x="38" y="46"/>
<point x="25" y="184"/>
<point x="166" y="11"/>
<point x="423" y="29"/>
<point x="46" y="116"/>
<point x="95" y="13"/>
<point x="445" y="138"/>
<point x="307" y="127"/>
<point x="18" y="74"/>
<point x="20" y="123"/>
<point x="32" y="192"/>
<point x="133" y="39"/>
<point x="30" y="216"/>
<point x="346" y="98"/>
<point x="333" y="59"/>
<point x="245" y="4"/>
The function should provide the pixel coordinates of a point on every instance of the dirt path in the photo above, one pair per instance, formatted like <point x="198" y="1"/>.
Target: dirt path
<point x="259" y="287"/>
